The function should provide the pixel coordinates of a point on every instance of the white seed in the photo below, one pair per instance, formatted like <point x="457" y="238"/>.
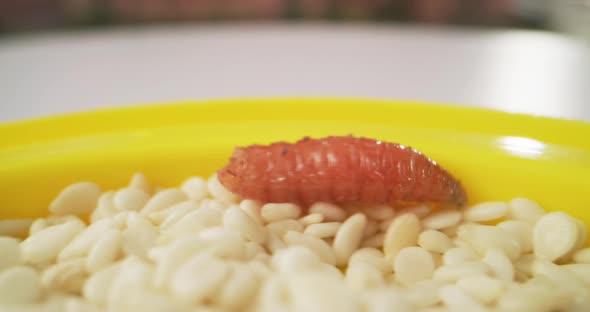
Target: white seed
<point x="456" y="299"/>
<point x="371" y="229"/>
<point x="140" y="182"/>
<point x="484" y="237"/>
<point x="55" y="220"/>
<point x="318" y="246"/>
<point x="331" y="271"/>
<point x="451" y="231"/>
<point x="420" y="211"/>
<point x="525" y="210"/>
<point x="163" y="200"/>
<point x="486" y="212"/>
<point x="220" y="192"/>
<point x="45" y="245"/>
<point x="224" y="243"/>
<point x="524" y="265"/>
<point x="380" y="212"/>
<point x="312" y="292"/>
<point x="437" y="258"/>
<point x="581" y="270"/>
<point x="131" y="283"/>
<point x="261" y="269"/>
<point x="348" y="238"/>
<point x="174" y="256"/>
<point x="283" y="226"/>
<point x="384" y="225"/>
<point x="582" y="235"/>
<point x="311" y="218"/>
<point x="520" y="230"/>
<point x="402" y="232"/>
<point x="105" y="207"/>
<point x="195" y="188"/>
<point x="561" y="277"/>
<point x="67" y="276"/>
<point x="143" y="299"/>
<point x="139" y="236"/>
<point x="19" y="285"/>
<point x="442" y="220"/>
<point x="533" y="298"/>
<point x="105" y="251"/>
<point x="97" y="287"/>
<point x="136" y="271"/>
<point x="555" y="235"/>
<point x="373" y="257"/>
<point x="239" y="289"/>
<point x="78" y="198"/>
<point x="500" y="266"/>
<point x="38" y="225"/>
<point x="413" y="264"/>
<point x="197" y="220"/>
<point x="235" y="218"/>
<point x="374" y="241"/>
<point x="424" y="294"/>
<point x="434" y="241"/>
<point x="274" y="242"/>
<point x="120" y="220"/>
<point x="582" y="256"/>
<point x="130" y="199"/>
<point x="458" y="255"/>
<point x="177" y="212"/>
<point x="362" y="275"/>
<point x="214" y="204"/>
<point x="483" y="288"/>
<point x="453" y="272"/>
<point x="296" y="259"/>
<point x="252" y="208"/>
<point x="157" y="217"/>
<point x="383" y="299"/>
<point x="9" y="252"/>
<point x="210" y="273"/>
<point x="330" y="212"/>
<point x="80" y="245"/>
<point x="273" y="295"/>
<point x="461" y="243"/>
<point x="15" y="227"/>
<point x="253" y="250"/>
<point x="74" y="304"/>
<point x="323" y="230"/>
<point x="53" y="303"/>
<point x="276" y="212"/>
<point x="262" y="258"/>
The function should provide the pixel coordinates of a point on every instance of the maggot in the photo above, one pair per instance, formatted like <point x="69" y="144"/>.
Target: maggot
<point x="339" y="169"/>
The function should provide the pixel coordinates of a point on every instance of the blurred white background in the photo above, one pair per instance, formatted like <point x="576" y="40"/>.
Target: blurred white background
<point x="525" y="56"/>
<point x="513" y="70"/>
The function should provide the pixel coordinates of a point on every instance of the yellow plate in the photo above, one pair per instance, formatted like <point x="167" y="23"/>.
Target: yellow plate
<point x="498" y="156"/>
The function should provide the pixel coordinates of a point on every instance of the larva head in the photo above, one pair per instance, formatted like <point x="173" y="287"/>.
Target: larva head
<point x="459" y="197"/>
<point x="229" y="176"/>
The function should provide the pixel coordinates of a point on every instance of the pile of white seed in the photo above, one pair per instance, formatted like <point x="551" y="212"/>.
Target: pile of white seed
<point x="201" y="248"/>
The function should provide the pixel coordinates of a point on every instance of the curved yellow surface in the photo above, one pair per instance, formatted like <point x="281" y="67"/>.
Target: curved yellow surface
<point x="498" y="156"/>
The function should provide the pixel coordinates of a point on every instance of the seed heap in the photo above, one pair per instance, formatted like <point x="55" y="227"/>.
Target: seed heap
<point x="201" y="248"/>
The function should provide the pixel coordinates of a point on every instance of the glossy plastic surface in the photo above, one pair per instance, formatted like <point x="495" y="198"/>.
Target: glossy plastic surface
<point x="498" y="156"/>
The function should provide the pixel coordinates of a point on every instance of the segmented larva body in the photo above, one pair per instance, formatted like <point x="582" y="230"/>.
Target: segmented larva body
<point x="339" y="169"/>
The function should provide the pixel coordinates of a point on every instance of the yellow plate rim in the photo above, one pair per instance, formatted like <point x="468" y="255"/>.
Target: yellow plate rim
<point x="573" y="133"/>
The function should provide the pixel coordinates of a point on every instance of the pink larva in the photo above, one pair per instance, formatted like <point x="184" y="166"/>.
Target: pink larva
<point x="339" y="170"/>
